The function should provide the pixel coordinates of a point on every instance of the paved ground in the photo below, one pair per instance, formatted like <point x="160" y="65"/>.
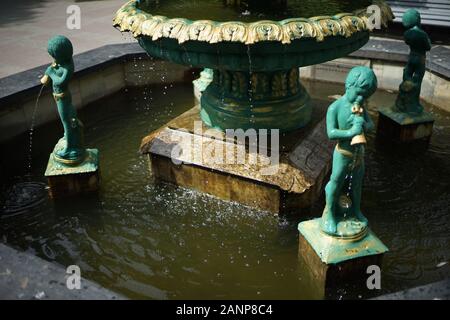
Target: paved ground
<point x="26" y="25"/>
<point x="25" y="276"/>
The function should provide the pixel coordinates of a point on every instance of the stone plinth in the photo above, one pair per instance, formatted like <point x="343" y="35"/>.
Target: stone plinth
<point x="337" y="263"/>
<point x="401" y="127"/>
<point x="304" y="161"/>
<point x="65" y="180"/>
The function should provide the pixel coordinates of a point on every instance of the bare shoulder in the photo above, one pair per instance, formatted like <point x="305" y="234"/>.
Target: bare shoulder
<point x="334" y="106"/>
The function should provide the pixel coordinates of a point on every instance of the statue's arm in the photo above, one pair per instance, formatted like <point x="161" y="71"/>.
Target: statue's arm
<point x="61" y="80"/>
<point x="333" y="131"/>
<point x="428" y="42"/>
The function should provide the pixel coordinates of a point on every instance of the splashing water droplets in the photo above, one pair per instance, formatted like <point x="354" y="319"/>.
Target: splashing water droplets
<point x="250" y="85"/>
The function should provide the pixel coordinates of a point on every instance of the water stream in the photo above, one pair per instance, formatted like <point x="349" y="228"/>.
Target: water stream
<point x="33" y="120"/>
<point x="25" y="194"/>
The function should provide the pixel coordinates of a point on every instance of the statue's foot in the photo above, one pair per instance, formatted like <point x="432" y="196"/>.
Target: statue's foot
<point x="68" y="154"/>
<point x="63" y="153"/>
<point x="328" y="223"/>
<point x="361" y="218"/>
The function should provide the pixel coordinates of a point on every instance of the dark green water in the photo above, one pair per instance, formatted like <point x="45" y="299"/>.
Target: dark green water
<point x="250" y="11"/>
<point x="157" y="241"/>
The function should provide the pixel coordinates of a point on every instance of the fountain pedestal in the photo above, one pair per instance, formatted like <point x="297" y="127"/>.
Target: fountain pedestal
<point x="259" y="100"/>
<point x="337" y="262"/>
<point x="70" y="179"/>
<point x="255" y="86"/>
<point x="400" y="127"/>
<point x="304" y="161"/>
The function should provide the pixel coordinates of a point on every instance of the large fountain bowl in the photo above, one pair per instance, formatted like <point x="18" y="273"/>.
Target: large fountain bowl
<point x="256" y="76"/>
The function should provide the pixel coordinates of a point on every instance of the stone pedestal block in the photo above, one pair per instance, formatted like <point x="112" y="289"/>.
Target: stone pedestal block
<point x="400" y="127"/>
<point x="336" y="264"/>
<point x="65" y="180"/>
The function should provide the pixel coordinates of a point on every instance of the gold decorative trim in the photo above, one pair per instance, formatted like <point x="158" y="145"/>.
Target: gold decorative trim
<point x="70" y="162"/>
<point x="344" y="152"/>
<point x="58" y="96"/>
<point x="140" y="23"/>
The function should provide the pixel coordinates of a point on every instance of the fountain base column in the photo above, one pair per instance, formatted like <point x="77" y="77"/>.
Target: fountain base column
<point x="336" y="263"/>
<point x="256" y="100"/>
<point x="71" y="179"/>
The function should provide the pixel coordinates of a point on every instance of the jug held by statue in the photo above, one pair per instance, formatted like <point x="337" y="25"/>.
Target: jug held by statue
<point x="360" y="138"/>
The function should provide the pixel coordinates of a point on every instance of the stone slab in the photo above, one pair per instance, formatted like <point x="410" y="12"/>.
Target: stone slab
<point x="66" y="181"/>
<point x="89" y="165"/>
<point x="332" y="250"/>
<point x="24" y="276"/>
<point x="330" y="280"/>
<point x="296" y="182"/>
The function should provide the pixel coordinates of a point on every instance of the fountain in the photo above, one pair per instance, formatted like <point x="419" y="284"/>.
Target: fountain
<point x="254" y="53"/>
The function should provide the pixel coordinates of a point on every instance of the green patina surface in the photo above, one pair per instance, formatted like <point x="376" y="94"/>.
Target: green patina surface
<point x="347" y="121"/>
<point x="255" y="87"/>
<point x="269" y="100"/>
<point x="206" y="77"/>
<point x="89" y="164"/>
<point x="333" y="250"/>
<point x="69" y="155"/>
<point x="342" y="233"/>
<point x="407" y="109"/>
<point x="59" y="73"/>
<point x="408" y="100"/>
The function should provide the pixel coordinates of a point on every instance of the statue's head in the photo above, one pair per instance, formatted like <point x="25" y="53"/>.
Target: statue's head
<point x="60" y="48"/>
<point x="411" y="18"/>
<point x="360" y="84"/>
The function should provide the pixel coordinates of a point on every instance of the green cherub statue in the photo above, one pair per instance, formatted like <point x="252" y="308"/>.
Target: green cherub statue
<point x="408" y="100"/>
<point x="69" y="149"/>
<point x="347" y="120"/>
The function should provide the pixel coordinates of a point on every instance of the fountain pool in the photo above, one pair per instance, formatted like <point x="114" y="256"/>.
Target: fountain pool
<point x="150" y="240"/>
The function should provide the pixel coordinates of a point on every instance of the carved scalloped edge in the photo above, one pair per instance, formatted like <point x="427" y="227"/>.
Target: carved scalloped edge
<point x="130" y="18"/>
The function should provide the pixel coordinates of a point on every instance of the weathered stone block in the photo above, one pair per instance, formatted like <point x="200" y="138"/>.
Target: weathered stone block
<point x="180" y="155"/>
<point x="404" y="128"/>
<point x="333" y="263"/>
<point x="66" y="181"/>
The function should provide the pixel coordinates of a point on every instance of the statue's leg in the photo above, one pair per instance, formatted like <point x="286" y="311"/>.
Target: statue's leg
<point x="332" y="192"/>
<point x="418" y="76"/>
<point x="68" y="118"/>
<point x="356" y="192"/>
<point x="408" y="72"/>
<point x="418" y="67"/>
<point x="419" y="73"/>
